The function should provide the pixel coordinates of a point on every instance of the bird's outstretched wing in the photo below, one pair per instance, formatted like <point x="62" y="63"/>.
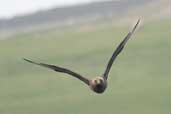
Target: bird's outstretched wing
<point x="62" y="70"/>
<point x="118" y="50"/>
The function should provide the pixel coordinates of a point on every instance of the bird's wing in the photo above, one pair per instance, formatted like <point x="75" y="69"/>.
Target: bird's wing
<point x="62" y="70"/>
<point x="118" y="50"/>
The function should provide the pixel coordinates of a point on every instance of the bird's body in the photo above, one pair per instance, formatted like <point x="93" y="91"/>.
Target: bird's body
<point x="99" y="83"/>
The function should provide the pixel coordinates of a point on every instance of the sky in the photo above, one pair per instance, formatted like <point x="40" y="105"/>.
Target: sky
<point x="10" y="8"/>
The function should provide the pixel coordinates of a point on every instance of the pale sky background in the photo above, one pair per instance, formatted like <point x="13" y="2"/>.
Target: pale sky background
<point x="10" y="8"/>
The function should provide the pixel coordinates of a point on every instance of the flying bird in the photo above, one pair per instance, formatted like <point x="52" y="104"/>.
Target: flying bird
<point x="99" y="83"/>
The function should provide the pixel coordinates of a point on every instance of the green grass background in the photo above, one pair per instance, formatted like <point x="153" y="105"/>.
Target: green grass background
<point x="139" y="81"/>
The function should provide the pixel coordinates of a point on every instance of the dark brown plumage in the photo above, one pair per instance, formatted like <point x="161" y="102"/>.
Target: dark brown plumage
<point x="97" y="84"/>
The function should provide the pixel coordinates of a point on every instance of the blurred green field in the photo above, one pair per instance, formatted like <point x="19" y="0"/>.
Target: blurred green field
<point x="139" y="82"/>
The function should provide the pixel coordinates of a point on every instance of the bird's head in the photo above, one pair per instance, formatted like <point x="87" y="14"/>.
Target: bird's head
<point x="98" y="81"/>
